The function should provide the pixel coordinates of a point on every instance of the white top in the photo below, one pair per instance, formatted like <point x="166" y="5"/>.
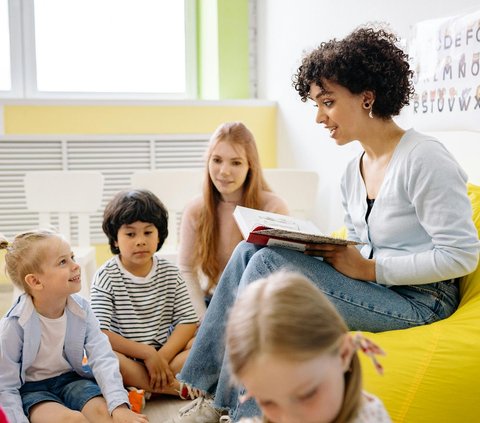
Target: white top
<point x="141" y="309"/>
<point x="50" y="360"/>
<point x="372" y="410"/>
<point x="420" y="227"/>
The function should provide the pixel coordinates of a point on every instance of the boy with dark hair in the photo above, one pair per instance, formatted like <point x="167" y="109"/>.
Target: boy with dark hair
<point x="140" y="299"/>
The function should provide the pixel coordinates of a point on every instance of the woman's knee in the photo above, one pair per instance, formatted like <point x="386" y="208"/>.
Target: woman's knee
<point x="238" y="263"/>
<point x="262" y="263"/>
<point x="269" y="260"/>
<point x="245" y="250"/>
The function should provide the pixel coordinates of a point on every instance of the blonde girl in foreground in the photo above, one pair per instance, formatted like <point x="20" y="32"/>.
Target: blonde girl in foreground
<point x="43" y="338"/>
<point x="291" y="350"/>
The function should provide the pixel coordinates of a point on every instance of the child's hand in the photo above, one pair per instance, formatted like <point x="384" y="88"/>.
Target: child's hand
<point x="123" y="414"/>
<point x="159" y="370"/>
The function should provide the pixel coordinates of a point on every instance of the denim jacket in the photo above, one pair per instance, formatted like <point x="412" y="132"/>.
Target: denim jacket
<point x="20" y="335"/>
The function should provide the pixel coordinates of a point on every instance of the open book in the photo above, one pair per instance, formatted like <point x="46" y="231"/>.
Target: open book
<point x="277" y="230"/>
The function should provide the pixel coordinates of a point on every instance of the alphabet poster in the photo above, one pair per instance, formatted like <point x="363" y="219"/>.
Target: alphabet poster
<point x="445" y="55"/>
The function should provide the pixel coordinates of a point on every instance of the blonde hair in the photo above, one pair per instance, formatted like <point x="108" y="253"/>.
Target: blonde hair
<point x="285" y="314"/>
<point x="23" y="257"/>
<point x="237" y="134"/>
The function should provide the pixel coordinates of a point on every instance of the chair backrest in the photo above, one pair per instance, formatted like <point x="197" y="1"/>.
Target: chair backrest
<point x="297" y="187"/>
<point x="175" y="188"/>
<point x="65" y="193"/>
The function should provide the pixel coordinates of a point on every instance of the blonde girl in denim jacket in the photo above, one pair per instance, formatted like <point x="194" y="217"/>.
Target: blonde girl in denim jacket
<point x="43" y="339"/>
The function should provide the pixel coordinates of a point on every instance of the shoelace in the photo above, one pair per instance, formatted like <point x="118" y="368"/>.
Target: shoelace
<point x="194" y="406"/>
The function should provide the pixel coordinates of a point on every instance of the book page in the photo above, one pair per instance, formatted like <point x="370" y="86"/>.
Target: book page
<point x="250" y="219"/>
<point x="278" y="223"/>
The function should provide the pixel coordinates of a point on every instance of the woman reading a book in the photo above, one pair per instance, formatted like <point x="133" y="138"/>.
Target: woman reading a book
<point x="208" y="232"/>
<point x="404" y="197"/>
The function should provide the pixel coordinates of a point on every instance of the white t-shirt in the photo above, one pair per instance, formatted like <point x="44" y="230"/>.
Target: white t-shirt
<point x="50" y="360"/>
<point x="372" y="410"/>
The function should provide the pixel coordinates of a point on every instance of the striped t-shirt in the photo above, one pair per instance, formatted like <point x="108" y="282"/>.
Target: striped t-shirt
<point x="141" y="309"/>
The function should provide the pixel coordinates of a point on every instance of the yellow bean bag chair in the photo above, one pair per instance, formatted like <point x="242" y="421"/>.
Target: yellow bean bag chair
<point x="432" y="372"/>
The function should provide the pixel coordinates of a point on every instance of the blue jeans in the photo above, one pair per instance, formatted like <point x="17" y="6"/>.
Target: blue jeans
<point x="365" y="306"/>
<point x="69" y="389"/>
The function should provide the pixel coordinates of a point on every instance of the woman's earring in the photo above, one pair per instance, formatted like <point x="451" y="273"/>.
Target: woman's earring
<point x="367" y="106"/>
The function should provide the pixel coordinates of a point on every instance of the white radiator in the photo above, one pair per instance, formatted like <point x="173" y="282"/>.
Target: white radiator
<point x="117" y="157"/>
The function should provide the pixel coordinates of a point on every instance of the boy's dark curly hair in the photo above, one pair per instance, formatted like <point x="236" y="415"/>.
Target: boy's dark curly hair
<point x="132" y="206"/>
<point x="365" y="60"/>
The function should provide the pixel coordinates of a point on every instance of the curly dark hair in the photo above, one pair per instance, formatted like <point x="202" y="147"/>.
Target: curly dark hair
<point x="366" y="60"/>
<point x="132" y="206"/>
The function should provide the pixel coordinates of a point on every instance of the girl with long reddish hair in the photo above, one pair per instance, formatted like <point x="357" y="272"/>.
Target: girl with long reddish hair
<point x="208" y="233"/>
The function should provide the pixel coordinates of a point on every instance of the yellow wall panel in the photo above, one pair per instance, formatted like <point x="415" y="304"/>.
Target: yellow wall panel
<point x="87" y="119"/>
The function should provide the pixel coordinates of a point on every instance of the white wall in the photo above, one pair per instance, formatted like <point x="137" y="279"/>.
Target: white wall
<point x="289" y="28"/>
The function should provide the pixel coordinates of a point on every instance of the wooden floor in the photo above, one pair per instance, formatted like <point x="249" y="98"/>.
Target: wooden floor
<point x="159" y="410"/>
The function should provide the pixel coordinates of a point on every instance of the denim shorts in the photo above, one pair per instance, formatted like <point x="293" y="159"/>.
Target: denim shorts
<point x="69" y="389"/>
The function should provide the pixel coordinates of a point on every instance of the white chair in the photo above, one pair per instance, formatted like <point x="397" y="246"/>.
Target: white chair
<point x="297" y="187"/>
<point x="175" y="188"/>
<point x="66" y="194"/>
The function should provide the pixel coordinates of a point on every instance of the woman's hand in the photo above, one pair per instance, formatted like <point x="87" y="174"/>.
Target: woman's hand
<point x="344" y="258"/>
<point x="159" y="371"/>
<point x="123" y="414"/>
